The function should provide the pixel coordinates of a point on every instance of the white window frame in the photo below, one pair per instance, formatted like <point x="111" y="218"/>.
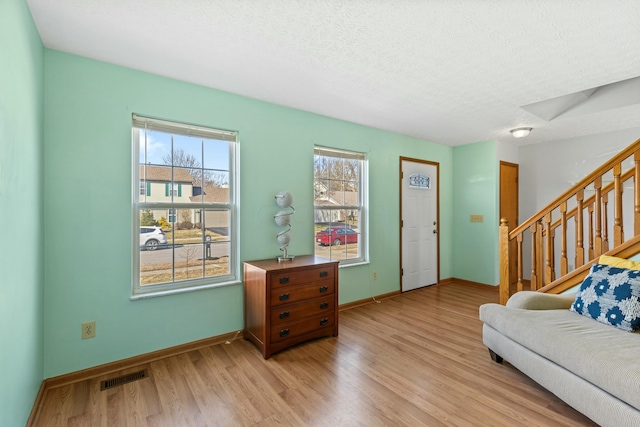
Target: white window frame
<point x="173" y="191"/>
<point x="142" y="123"/>
<point x="363" y="202"/>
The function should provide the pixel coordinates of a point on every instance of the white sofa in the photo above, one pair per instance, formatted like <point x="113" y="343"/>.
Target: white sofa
<point x="593" y="367"/>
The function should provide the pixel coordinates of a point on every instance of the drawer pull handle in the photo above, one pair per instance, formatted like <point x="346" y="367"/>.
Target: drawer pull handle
<point x="324" y="288"/>
<point x="324" y="321"/>
<point x="324" y="304"/>
<point x="284" y="332"/>
<point x="284" y="280"/>
<point x="284" y="297"/>
<point x="324" y="273"/>
<point x="284" y="314"/>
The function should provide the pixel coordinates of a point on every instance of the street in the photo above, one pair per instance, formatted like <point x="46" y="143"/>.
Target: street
<point x="164" y="254"/>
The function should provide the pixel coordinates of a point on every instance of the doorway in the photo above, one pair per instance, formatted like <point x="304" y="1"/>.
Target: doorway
<point x="509" y="208"/>
<point x="419" y="223"/>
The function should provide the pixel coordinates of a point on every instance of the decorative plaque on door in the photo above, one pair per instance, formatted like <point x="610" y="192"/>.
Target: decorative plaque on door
<point x="419" y="180"/>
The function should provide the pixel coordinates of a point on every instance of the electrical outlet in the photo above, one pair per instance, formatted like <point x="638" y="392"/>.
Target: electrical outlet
<point x="88" y="330"/>
<point x="375" y="275"/>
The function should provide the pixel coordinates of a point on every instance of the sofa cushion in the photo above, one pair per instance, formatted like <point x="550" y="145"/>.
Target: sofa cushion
<point x="610" y="295"/>
<point x="606" y="357"/>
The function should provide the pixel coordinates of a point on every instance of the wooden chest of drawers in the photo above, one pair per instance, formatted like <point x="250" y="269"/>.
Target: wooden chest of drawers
<point x="286" y="303"/>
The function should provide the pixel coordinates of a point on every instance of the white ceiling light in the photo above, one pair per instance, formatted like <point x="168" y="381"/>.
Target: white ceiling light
<point x="520" y="132"/>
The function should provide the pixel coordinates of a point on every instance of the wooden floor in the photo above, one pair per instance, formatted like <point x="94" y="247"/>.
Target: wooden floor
<point x="413" y="360"/>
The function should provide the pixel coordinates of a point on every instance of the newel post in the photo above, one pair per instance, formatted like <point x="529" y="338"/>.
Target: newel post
<point x="504" y="260"/>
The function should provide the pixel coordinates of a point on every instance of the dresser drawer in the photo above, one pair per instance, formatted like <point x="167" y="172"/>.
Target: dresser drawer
<point x="291" y="294"/>
<point x="286" y="331"/>
<point x="301" y="276"/>
<point x="294" y="312"/>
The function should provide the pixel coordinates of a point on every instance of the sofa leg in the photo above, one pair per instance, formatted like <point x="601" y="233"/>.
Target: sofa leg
<point x="495" y="357"/>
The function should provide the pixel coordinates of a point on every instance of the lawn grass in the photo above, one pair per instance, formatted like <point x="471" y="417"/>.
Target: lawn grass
<point x="163" y="273"/>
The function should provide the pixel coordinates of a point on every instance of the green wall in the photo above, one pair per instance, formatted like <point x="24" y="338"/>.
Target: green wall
<point x="21" y="215"/>
<point x="87" y="205"/>
<point x="476" y="192"/>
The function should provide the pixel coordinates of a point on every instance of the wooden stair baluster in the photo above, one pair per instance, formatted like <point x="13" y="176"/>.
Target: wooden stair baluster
<point x="549" y="261"/>
<point x="579" y="229"/>
<point x="551" y="254"/>
<point x="605" y="223"/>
<point x="534" y="264"/>
<point x="636" y="187"/>
<point x="597" y="184"/>
<point x="539" y="257"/>
<point x="564" y="264"/>
<point x="520" y="268"/>
<point x="591" y="232"/>
<point x="618" y="233"/>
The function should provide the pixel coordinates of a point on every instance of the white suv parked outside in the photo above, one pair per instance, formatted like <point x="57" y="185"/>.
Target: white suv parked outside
<point x="151" y="237"/>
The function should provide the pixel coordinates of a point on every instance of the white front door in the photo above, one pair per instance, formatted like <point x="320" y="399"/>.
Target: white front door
<point x="419" y="209"/>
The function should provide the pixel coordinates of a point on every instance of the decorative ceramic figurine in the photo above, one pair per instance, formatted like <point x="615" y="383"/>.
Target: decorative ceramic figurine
<point x="283" y="219"/>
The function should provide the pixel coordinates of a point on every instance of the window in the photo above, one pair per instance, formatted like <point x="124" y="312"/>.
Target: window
<point x="185" y="209"/>
<point x="340" y="205"/>
<point x="174" y="190"/>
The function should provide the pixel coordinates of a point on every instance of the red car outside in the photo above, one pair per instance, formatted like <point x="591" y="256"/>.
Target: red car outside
<point x="336" y="236"/>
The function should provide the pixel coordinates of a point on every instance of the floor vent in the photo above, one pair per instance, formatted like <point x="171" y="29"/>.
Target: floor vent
<point x="114" y="382"/>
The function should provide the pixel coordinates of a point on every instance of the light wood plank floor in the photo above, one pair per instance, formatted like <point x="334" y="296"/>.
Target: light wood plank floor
<point x="413" y="360"/>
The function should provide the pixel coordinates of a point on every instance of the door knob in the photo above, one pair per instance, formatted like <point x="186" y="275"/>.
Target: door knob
<point x="435" y="231"/>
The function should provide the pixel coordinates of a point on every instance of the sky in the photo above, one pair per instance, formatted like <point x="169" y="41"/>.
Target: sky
<point x="210" y="153"/>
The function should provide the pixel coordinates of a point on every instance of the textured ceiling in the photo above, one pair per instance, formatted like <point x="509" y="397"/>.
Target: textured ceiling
<point x="449" y="71"/>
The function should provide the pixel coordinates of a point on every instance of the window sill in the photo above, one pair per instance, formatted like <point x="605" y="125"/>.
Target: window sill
<point x="161" y="293"/>
<point x="353" y="264"/>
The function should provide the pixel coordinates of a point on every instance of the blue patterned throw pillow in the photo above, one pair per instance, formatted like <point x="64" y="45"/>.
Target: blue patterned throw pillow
<point x="610" y="295"/>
